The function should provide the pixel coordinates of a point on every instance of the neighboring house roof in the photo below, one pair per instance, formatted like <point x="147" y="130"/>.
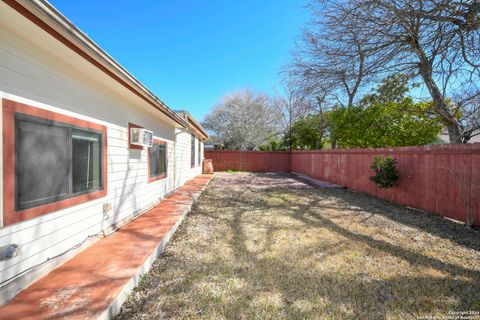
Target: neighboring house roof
<point x="443" y="136"/>
<point x="211" y="146"/>
<point x="475" y="139"/>
<point x="48" y="18"/>
<point x="193" y="124"/>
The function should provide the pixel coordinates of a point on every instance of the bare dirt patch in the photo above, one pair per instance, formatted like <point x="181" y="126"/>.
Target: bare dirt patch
<point x="266" y="246"/>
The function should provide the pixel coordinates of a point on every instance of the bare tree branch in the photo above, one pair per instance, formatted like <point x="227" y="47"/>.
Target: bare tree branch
<point x="350" y="44"/>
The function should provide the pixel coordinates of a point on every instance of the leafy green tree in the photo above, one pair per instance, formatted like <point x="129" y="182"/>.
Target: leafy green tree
<point x="392" y="124"/>
<point x="385" y="118"/>
<point x="273" y="145"/>
<point x="306" y="133"/>
<point x="393" y="88"/>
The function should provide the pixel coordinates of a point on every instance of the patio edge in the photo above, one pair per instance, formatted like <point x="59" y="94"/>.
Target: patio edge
<point x="114" y="308"/>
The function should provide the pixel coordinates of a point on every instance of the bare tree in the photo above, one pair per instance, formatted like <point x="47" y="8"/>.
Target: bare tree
<point x="292" y="104"/>
<point x="244" y="120"/>
<point x="467" y="106"/>
<point x="350" y="42"/>
<point x="332" y="64"/>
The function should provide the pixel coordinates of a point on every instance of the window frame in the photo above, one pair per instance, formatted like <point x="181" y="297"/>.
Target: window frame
<point x="160" y="177"/>
<point x="10" y="213"/>
<point x="133" y="146"/>
<point x="71" y="194"/>
<point x="192" y="150"/>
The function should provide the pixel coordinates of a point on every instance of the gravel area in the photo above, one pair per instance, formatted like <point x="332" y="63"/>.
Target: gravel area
<point x="268" y="246"/>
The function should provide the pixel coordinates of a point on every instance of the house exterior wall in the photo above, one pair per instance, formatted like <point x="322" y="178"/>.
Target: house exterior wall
<point x="37" y="70"/>
<point x="184" y="170"/>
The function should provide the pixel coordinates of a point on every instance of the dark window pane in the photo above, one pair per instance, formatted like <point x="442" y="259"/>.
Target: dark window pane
<point x="162" y="159"/>
<point x="154" y="160"/>
<point x="86" y="161"/>
<point x="42" y="163"/>
<point x="158" y="160"/>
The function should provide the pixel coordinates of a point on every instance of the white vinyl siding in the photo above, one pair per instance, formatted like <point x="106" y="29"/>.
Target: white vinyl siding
<point x="69" y="85"/>
<point x="184" y="168"/>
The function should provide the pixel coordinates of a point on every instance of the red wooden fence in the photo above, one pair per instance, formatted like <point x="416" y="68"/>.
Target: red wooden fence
<point x="432" y="178"/>
<point x="254" y="161"/>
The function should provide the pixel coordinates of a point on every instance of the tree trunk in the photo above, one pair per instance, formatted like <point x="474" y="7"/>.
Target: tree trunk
<point x="320" y="128"/>
<point x="441" y="107"/>
<point x="448" y="119"/>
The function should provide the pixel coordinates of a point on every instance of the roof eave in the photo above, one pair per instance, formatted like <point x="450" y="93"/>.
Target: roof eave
<point x="48" y="18"/>
<point x="193" y="123"/>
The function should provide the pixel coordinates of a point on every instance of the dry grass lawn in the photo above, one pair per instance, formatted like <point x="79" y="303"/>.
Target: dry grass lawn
<point x="259" y="246"/>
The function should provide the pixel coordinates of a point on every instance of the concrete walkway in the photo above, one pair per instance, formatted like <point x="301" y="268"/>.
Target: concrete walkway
<point x="94" y="283"/>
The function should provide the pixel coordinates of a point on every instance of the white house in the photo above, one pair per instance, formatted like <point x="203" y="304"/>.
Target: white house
<point x="69" y="169"/>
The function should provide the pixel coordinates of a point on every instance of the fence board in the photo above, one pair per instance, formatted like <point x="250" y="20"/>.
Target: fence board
<point x="430" y="176"/>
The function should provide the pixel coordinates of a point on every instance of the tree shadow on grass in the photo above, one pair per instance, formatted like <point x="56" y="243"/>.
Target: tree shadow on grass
<point x="301" y="290"/>
<point x="348" y="296"/>
<point x="402" y="287"/>
<point x="425" y="221"/>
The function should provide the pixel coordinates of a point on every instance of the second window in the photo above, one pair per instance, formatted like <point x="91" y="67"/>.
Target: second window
<point x="157" y="160"/>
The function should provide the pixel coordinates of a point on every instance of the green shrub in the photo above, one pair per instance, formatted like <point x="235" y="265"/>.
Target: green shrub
<point x="386" y="174"/>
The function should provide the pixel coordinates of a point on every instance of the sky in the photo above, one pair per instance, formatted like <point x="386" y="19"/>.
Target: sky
<point x="191" y="52"/>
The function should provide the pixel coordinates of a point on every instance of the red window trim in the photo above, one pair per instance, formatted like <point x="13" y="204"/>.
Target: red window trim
<point x="153" y="179"/>
<point x="133" y="146"/>
<point x="10" y="215"/>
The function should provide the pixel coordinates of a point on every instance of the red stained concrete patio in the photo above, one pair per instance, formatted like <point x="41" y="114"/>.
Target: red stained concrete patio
<point x="94" y="283"/>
